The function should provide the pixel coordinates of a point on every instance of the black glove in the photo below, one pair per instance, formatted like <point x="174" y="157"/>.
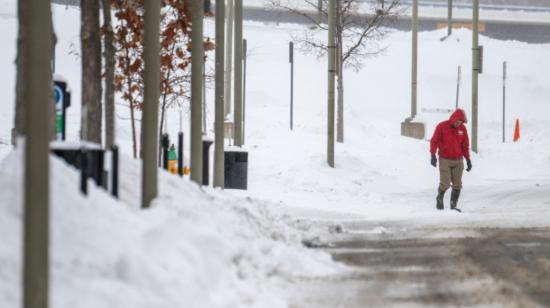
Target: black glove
<point x="469" y="165"/>
<point x="434" y="161"/>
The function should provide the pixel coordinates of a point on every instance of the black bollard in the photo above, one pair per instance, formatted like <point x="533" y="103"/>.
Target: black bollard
<point x="180" y="154"/>
<point x="165" y="146"/>
<point x="114" y="171"/>
<point x="84" y="171"/>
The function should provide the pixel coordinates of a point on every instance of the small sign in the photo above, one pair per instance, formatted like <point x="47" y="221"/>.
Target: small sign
<point x="58" y="92"/>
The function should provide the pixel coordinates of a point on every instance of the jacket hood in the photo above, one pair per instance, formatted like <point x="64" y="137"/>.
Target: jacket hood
<point x="459" y="114"/>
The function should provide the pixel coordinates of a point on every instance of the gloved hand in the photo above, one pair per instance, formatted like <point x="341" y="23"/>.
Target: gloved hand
<point x="469" y="165"/>
<point x="434" y="161"/>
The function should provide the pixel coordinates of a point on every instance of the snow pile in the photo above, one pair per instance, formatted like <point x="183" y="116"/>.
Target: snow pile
<point x="190" y="249"/>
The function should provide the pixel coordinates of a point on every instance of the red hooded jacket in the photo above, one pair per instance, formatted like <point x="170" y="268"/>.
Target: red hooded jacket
<point x="452" y="142"/>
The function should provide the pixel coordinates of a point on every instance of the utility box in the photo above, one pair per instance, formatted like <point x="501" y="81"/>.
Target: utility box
<point x="411" y="129"/>
<point x="236" y="169"/>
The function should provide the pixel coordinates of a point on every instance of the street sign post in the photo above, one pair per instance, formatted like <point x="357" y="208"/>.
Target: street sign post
<point x="62" y="102"/>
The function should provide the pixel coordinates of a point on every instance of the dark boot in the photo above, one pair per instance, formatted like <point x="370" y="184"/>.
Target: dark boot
<point x="439" y="198"/>
<point x="455" y="193"/>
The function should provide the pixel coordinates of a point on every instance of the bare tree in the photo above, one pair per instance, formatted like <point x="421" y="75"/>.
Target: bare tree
<point x="109" y="56"/>
<point x="91" y="71"/>
<point x="360" y="26"/>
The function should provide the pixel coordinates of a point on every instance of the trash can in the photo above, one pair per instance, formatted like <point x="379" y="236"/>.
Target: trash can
<point x="236" y="169"/>
<point x="206" y="143"/>
<point x="95" y="157"/>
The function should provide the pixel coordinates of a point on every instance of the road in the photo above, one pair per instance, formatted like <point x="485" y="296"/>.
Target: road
<point x="494" y="4"/>
<point x="432" y="267"/>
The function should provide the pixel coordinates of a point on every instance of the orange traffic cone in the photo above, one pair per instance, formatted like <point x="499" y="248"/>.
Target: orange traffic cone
<point x="516" y="131"/>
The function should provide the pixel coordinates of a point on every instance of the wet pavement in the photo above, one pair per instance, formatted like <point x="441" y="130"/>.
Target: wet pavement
<point x="402" y="267"/>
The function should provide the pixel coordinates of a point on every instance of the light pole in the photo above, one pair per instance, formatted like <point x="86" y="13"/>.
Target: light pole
<point x="219" y="94"/>
<point x="228" y="55"/>
<point x="36" y="55"/>
<point x="476" y="68"/>
<point x="151" y="102"/>
<point x="197" y="54"/>
<point x="238" y="101"/>
<point x="414" y="58"/>
<point x="450" y="18"/>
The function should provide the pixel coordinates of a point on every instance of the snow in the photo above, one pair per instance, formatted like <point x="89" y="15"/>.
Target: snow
<point x="204" y="247"/>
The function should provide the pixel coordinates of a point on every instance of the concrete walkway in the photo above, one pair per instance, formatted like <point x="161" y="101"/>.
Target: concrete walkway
<point x="403" y="267"/>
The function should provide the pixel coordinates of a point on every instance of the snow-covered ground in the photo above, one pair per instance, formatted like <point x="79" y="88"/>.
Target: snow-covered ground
<point x="381" y="175"/>
<point x="210" y="248"/>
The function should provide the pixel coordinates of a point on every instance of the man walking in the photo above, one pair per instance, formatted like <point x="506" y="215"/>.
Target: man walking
<point x="451" y="138"/>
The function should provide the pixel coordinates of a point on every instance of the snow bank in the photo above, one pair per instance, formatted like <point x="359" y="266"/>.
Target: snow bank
<point x="190" y="249"/>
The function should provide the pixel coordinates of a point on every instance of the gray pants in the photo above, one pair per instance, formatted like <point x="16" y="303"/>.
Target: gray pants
<point x="450" y="171"/>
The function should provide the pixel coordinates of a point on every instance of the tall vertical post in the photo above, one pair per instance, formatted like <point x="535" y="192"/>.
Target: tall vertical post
<point x="238" y="101"/>
<point x="38" y="84"/>
<point x="219" y="94"/>
<point x="151" y="51"/>
<point x="331" y="75"/>
<point x="245" y="59"/>
<point x="504" y="102"/>
<point x="114" y="171"/>
<point x="291" y="60"/>
<point x="197" y="54"/>
<point x="228" y="55"/>
<point x="414" y="58"/>
<point x="475" y="72"/>
<point x="450" y="18"/>
<point x="459" y="78"/>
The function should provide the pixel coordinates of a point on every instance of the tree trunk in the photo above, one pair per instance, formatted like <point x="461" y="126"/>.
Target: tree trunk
<point x="19" y="121"/>
<point x="340" y="61"/>
<point x="340" y="117"/>
<point x="109" y="56"/>
<point x="91" y="71"/>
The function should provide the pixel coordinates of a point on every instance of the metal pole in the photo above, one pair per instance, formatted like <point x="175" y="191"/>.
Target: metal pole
<point x="84" y="166"/>
<point x="414" y="58"/>
<point x="204" y="96"/>
<point x="503" y="102"/>
<point x="450" y="18"/>
<point x="197" y="53"/>
<point x="475" y="72"/>
<point x="238" y="100"/>
<point x="38" y="82"/>
<point x="151" y="50"/>
<point x="458" y="85"/>
<point x="114" y="171"/>
<point x="165" y="143"/>
<point x="331" y="75"/>
<point x="245" y="55"/>
<point x="228" y="56"/>
<point x="219" y="94"/>
<point x="291" y="60"/>
<point x="180" y="154"/>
